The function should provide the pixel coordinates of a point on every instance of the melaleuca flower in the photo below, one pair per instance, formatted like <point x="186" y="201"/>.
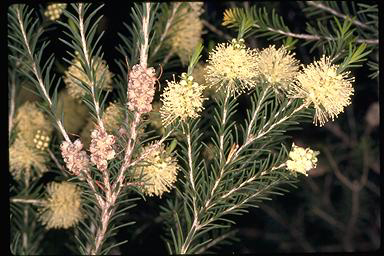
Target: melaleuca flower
<point x="301" y="160"/>
<point x="278" y="67"/>
<point x="54" y="11"/>
<point x="29" y="119"/>
<point x="158" y="172"/>
<point x="321" y="85"/>
<point x="26" y="161"/>
<point x="101" y="148"/>
<point x="181" y="100"/>
<point x="112" y="117"/>
<point x="74" y="156"/>
<point x="233" y="66"/>
<point x="141" y="88"/>
<point x="62" y="207"/>
<point x="75" y="113"/>
<point x="186" y="34"/>
<point x="75" y="74"/>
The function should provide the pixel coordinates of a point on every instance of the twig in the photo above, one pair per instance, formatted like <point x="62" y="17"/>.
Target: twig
<point x="12" y="90"/>
<point x="37" y="74"/>
<point x="25" y="201"/>
<point x="53" y="157"/>
<point x="315" y="37"/>
<point x="328" y="218"/>
<point x="216" y="241"/>
<point x="144" y="46"/>
<point x="336" y="13"/>
<point x="215" y="30"/>
<point x="164" y="34"/>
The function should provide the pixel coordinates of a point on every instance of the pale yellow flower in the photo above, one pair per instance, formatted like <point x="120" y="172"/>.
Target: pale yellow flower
<point x="278" y="67"/>
<point x="233" y="66"/>
<point x="181" y="100"/>
<point x="301" y="160"/>
<point x="321" y="85"/>
<point x="186" y="34"/>
<point x="112" y="117"/>
<point x="75" y="74"/>
<point x="54" y="11"/>
<point x="29" y="120"/>
<point x="62" y="207"/>
<point x="26" y="161"/>
<point x="158" y="172"/>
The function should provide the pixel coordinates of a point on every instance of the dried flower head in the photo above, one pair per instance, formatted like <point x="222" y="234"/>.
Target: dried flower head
<point x="301" y="160"/>
<point x="101" y="148"/>
<point x="232" y="65"/>
<point x="75" y="74"/>
<point x="141" y="88"/>
<point x="186" y="33"/>
<point x="29" y="120"/>
<point x="181" y="100"/>
<point x="74" y="156"/>
<point x="329" y="91"/>
<point x="54" y="11"/>
<point x="62" y="207"/>
<point x="278" y="67"/>
<point x="159" y="172"/>
<point x="26" y="161"/>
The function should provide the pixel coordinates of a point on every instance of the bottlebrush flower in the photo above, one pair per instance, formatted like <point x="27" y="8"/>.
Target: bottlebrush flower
<point x="101" y="148"/>
<point x="62" y="207"/>
<point x="75" y="74"/>
<point x="233" y="66"/>
<point x="26" y="161"/>
<point x="278" y="67"/>
<point x="181" y="100"/>
<point x="158" y="172"/>
<point x="141" y="88"/>
<point x="74" y="156"/>
<point x="186" y="33"/>
<point x="321" y="85"/>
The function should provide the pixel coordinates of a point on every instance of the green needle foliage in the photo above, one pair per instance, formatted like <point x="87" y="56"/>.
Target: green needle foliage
<point x="201" y="161"/>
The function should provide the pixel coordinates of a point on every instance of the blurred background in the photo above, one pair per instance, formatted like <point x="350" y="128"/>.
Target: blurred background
<point x="335" y="209"/>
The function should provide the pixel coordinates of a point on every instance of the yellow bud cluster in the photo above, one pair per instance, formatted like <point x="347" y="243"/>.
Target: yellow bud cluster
<point x="301" y="160"/>
<point x="41" y="140"/>
<point x="54" y="11"/>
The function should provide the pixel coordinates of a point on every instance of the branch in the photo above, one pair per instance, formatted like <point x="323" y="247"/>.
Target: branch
<point x="215" y="30"/>
<point x="12" y="90"/>
<point x="88" y="62"/>
<point x="37" y="74"/>
<point x="164" y="34"/>
<point x="25" y="201"/>
<point x="336" y="13"/>
<point x="144" y="46"/>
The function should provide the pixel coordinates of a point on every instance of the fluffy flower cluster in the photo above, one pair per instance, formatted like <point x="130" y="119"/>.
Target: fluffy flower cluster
<point x="62" y="207"/>
<point x="112" y="117"/>
<point x="187" y="32"/>
<point x="54" y="11"/>
<point x="101" y="148"/>
<point x="160" y="171"/>
<point x="233" y="65"/>
<point x="75" y="74"/>
<point x="321" y="85"/>
<point x="181" y="100"/>
<point x="278" y="67"/>
<point x="301" y="160"/>
<point x="141" y="88"/>
<point x="25" y="158"/>
<point x="74" y="156"/>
